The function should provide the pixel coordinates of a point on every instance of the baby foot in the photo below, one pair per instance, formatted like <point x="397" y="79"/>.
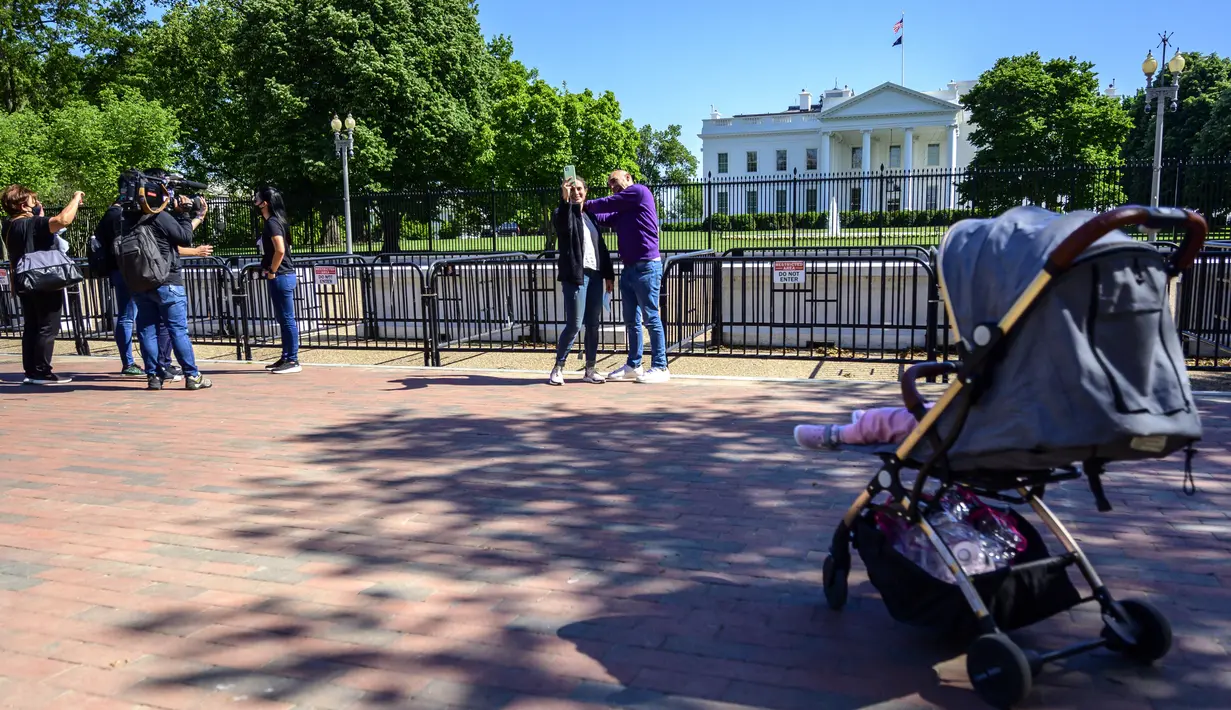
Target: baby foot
<point x="813" y="436"/>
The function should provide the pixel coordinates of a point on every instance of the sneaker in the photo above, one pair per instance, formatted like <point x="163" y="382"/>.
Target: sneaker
<point x="153" y="382"/>
<point x="814" y="436"/>
<point x="593" y="376"/>
<point x="50" y="378"/>
<point x="275" y="365"/>
<point x="556" y="377"/>
<point x="626" y="373"/>
<point x="654" y="375"/>
<point x="132" y="371"/>
<point x="286" y="367"/>
<point x="174" y="373"/>
<point x="198" y="382"/>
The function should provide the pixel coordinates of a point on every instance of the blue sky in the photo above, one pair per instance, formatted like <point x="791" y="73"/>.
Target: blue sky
<point x="668" y="60"/>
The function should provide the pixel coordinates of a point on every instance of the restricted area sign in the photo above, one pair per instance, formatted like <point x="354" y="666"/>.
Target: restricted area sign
<point x="4" y="277"/>
<point x="326" y="275"/>
<point x="788" y="272"/>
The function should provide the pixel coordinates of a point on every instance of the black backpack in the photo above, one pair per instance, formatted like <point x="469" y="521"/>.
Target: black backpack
<point x="141" y="263"/>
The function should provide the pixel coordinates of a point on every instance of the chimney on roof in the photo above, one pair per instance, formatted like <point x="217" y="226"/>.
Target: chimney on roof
<point x="714" y="112"/>
<point x="1111" y="89"/>
<point x="805" y="100"/>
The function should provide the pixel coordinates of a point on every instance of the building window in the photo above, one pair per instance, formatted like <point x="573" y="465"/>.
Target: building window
<point x="895" y="156"/>
<point x="810" y="201"/>
<point x="893" y="197"/>
<point x="780" y="164"/>
<point x="811" y="163"/>
<point x="933" y="155"/>
<point x="751" y="202"/>
<point x="932" y="200"/>
<point x="856" y="198"/>
<point x="857" y="158"/>
<point x="780" y="202"/>
<point x="752" y="161"/>
<point x="722" y="202"/>
<point x="722" y="162"/>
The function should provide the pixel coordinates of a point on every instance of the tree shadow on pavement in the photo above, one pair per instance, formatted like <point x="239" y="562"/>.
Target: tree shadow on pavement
<point x="494" y="554"/>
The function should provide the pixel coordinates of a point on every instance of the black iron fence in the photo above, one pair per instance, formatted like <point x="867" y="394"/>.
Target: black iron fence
<point x="768" y="210"/>
<point x="816" y="303"/>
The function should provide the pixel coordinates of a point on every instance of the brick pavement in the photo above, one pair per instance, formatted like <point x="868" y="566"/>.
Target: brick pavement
<point x="362" y="538"/>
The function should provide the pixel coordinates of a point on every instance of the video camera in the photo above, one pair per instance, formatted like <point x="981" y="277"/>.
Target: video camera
<point x="152" y="194"/>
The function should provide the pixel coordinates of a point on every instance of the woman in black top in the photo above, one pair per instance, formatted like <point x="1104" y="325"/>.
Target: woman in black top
<point x="279" y="272"/>
<point x="582" y="267"/>
<point x="41" y="311"/>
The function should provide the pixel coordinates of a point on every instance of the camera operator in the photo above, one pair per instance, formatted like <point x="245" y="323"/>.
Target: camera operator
<point x="168" y="302"/>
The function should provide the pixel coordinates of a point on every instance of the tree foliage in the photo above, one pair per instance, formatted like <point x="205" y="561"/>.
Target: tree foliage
<point x="662" y="157"/>
<point x="249" y="89"/>
<point x="1030" y="112"/>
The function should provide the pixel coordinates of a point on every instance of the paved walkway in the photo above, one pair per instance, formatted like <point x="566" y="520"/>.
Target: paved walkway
<point x="362" y="538"/>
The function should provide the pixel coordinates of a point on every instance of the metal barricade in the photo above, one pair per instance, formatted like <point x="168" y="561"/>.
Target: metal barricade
<point x="1204" y="311"/>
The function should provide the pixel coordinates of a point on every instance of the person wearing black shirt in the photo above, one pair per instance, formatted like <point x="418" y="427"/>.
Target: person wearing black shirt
<point x="25" y="232"/>
<point x="106" y="232"/>
<point x="279" y="273"/>
<point x="168" y="302"/>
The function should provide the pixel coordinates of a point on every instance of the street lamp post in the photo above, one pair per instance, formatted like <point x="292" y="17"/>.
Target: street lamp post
<point x="345" y="147"/>
<point x="1162" y="96"/>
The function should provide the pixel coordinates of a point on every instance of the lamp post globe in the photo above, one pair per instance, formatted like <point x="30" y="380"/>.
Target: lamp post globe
<point x="1150" y="65"/>
<point x="350" y="122"/>
<point x="336" y="123"/>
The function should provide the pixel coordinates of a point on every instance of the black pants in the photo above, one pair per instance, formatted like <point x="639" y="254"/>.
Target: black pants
<point x="38" y="340"/>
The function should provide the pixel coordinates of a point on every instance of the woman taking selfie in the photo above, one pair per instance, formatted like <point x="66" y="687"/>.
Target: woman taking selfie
<point x="28" y="230"/>
<point x="582" y="266"/>
<point x="279" y="273"/>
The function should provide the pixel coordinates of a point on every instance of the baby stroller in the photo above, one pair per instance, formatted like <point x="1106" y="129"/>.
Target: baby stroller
<point x="1069" y="360"/>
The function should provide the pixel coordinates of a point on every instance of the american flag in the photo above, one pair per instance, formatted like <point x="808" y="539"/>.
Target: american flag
<point x="897" y="26"/>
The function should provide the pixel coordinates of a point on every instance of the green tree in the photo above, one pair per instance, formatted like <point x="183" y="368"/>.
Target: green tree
<point x="1214" y="139"/>
<point x="662" y="157"/>
<point x="24" y="157"/>
<point x="92" y="144"/>
<point x="1034" y="113"/>
<point x="415" y="73"/>
<point x="601" y="139"/>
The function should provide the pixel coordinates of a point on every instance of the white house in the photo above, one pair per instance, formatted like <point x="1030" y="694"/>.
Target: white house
<point x="920" y="138"/>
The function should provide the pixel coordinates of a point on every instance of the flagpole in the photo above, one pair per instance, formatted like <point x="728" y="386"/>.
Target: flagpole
<point x="903" y="48"/>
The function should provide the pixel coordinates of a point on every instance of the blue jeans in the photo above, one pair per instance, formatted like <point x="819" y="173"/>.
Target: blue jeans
<point x="125" y="316"/>
<point x="169" y="304"/>
<point x="582" y="304"/>
<point x="281" y="290"/>
<point x="639" y="285"/>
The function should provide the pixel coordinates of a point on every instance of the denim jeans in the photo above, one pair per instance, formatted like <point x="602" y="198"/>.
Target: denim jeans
<point x="639" y="285"/>
<point x="125" y="316"/>
<point x="281" y="290"/>
<point x="582" y="304"/>
<point x="169" y="304"/>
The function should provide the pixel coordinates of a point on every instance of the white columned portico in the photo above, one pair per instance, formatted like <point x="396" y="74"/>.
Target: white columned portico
<point x="823" y="202"/>
<point x="865" y="195"/>
<point x="952" y="166"/>
<point x="908" y="164"/>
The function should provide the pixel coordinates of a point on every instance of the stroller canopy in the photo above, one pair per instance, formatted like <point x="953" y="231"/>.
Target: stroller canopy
<point x="1094" y="370"/>
<point x="985" y="264"/>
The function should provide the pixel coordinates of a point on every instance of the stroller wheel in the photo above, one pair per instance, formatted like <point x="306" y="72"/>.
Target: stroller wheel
<point x="834" y="579"/>
<point x="999" y="671"/>
<point x="1152" y="639"/>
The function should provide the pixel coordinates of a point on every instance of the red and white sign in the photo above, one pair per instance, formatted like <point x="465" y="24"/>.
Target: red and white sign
<point x="4" y="277"/>
<point x="326" y="275"/>
<point x="788" y="272"/>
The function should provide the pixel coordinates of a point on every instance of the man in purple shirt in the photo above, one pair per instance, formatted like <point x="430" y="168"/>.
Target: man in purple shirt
<point x="630" y="210"/>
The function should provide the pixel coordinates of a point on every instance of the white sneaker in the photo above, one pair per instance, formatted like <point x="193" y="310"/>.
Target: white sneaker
<point x="557" y="376"/>
<point x="626" y="373"/>
<point x="593" y="376"/>
<point x="654" y="375"/>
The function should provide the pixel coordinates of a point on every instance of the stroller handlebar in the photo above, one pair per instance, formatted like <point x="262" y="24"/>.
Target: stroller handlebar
<point x="911" y="399"/>
<point x="1193" y="224"/>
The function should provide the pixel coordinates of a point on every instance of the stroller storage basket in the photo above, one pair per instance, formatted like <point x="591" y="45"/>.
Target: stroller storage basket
<point x="1017" y="596"/>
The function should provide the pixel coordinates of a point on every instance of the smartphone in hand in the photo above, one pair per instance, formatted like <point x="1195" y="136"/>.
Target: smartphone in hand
<point x="570" y="172"/>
